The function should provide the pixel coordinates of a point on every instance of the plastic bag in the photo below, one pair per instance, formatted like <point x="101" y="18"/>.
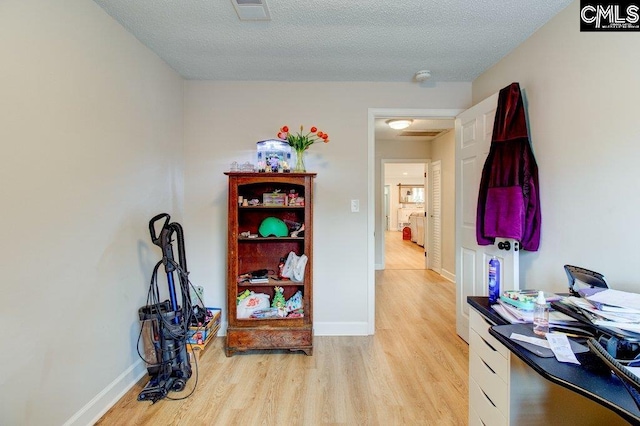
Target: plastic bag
<point x="294" y="267"/>
<point x="250" y="304"/>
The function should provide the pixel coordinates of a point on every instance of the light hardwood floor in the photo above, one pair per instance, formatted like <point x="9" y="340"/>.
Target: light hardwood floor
<point x="413" y="371"/>
<point x="402" y="254"/>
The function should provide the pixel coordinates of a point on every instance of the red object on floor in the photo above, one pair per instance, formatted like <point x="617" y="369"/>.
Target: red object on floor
<point x="406" y="233"/>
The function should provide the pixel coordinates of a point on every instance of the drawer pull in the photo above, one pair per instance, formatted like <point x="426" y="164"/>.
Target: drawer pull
<point x="488" y="399"/>
<point x="487" y="365"/>
<point x="487" y="343"/>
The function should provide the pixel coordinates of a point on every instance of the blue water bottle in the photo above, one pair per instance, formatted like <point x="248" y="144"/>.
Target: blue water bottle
<point x="494" y="280"/>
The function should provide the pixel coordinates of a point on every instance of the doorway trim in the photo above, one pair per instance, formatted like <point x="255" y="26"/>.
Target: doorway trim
<point x="372" y="114"/>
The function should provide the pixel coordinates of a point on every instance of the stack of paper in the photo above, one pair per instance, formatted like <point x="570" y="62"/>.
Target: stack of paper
<point x="516" y="315"/>
<point x="612" y="309"/>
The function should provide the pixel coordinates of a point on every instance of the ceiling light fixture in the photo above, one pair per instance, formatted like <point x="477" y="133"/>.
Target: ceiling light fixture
<point x="399" y="124"/>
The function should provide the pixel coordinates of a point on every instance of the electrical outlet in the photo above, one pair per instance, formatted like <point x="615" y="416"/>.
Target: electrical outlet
<point x="197" y="295"/>
<point x="355" y="206"/>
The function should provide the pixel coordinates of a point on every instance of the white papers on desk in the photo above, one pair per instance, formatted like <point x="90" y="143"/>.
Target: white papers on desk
<point x="513" y="315"/>
<point x="620" y="317"/>
<point x="617" y="298"/>
<point x="628" y="326"/>
<point x="598" y="313"/>
<point x="561" y="348"/>
<point x="533" y="340"/>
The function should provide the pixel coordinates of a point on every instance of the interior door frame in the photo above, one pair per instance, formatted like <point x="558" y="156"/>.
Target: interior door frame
<point x="372" y="114"/>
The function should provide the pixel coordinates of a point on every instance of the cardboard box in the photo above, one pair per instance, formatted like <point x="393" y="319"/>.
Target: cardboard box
<point x="274" y="199"/>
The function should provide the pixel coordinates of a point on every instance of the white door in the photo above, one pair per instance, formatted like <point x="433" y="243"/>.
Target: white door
<point x="387" y="219"/>
<point x="435" y="218"/>
<point x="427" y="212"/>
<point x="473" y="140"/>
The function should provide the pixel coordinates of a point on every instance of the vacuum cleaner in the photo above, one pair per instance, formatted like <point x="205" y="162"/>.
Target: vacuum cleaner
<point x="165" y="324"/>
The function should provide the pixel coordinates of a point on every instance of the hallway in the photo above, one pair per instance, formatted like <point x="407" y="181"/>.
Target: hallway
<point x="402" y="254"/>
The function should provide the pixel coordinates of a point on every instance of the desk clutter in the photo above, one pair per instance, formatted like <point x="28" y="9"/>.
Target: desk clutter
<point x="608" y="317"/>
<point x="613" y="315"/>
<point x="514" y="331"/>
<point x="505" y="378"/>
<point x="517" y="307"/>
<point x="612" y="309"/>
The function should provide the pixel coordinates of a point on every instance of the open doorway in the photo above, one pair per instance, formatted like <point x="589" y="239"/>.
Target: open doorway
<point x="405" y="211"/>
<point x="376" y="219"/>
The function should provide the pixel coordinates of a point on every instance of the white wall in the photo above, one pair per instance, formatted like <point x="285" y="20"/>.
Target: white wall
<point x="224" y="120"/>
<point x="91" y="132"/>
<point x="582" y="92"/>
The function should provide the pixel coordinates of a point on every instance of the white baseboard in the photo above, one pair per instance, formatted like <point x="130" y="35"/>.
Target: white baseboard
<point x="340" y="329"/>
<point x="102" y="402"/>
<point x="448" y="275"/>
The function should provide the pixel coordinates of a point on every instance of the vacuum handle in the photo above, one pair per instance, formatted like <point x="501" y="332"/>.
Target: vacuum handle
<point x="152" y="229"/>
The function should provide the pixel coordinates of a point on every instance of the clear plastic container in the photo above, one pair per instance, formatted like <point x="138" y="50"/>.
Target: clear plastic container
<point x="541" y="315"/>
<point x="273" y="155"/>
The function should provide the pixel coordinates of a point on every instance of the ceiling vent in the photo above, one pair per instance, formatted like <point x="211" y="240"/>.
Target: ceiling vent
<point x="422" y="133"/>
<point x="252" y="10"/>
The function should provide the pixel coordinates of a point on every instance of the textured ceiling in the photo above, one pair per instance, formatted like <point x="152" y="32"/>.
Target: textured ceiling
<point x="333" y="40"/>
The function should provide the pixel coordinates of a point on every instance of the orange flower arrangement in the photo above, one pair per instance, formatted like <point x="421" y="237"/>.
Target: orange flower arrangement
<point x="301" y="141"/>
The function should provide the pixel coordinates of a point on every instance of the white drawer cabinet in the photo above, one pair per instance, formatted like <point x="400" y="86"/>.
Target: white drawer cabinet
<point x="504" y="390"/>
<point x="481" y="405"/>
<point x="488" y="374"/>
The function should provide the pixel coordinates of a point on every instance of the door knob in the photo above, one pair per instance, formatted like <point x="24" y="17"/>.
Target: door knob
<point x="504" y="245"/>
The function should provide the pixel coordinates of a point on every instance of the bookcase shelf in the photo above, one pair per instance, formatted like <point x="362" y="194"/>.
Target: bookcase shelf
<point x="246" y="254"/>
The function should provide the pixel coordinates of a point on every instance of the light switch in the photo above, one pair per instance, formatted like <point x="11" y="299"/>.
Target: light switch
<point x="355" y="206"/>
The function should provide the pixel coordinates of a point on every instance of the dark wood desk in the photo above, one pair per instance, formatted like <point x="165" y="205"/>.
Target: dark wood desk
<point x="592" y="379"/>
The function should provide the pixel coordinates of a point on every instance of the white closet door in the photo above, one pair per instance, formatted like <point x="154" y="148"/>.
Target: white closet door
<point x="435" y="221"/>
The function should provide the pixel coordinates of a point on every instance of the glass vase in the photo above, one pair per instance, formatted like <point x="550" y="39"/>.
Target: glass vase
<point x="299" y="167"/>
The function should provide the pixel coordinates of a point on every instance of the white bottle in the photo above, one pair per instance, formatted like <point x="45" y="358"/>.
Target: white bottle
<point x="541" y="315"/>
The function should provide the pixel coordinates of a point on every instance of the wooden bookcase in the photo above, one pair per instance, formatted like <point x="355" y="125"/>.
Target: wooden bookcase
<point x="246" y="254"/>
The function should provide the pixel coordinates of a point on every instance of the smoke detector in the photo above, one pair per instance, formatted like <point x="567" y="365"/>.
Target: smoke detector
<point x="421" y="76"/>
<point x="252" y="10"/>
